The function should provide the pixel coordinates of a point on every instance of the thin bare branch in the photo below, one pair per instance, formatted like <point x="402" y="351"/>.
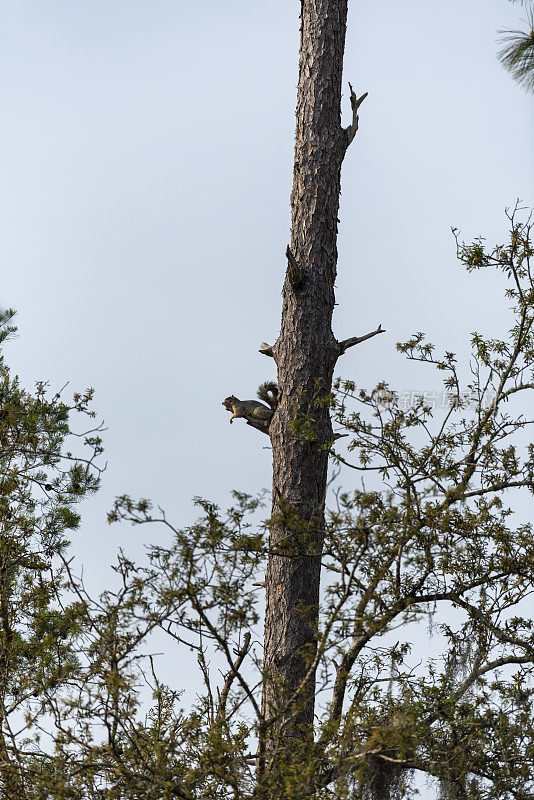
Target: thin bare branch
<point x="232" y="675"/>
<point x="346" y="343"/>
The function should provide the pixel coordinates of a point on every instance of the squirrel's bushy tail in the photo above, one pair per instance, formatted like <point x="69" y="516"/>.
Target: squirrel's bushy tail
<point x="268" y="392"/>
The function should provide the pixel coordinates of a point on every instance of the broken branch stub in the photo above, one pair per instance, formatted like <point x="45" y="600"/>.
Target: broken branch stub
<point x="294" y="271"/>
<point x="355" y="103"/>
<point x="266" y="349"/>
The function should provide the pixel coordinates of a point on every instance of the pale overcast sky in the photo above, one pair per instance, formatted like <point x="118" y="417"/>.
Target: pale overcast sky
<point x="146" y="152"/>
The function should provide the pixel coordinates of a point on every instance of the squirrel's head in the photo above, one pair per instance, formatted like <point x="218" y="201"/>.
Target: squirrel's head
<point x="229" y="402"/>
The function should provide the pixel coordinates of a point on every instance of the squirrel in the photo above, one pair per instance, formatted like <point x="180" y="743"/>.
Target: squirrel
<point x="252" y="410"/>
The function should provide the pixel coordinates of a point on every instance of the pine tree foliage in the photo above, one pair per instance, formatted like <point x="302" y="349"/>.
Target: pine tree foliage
<point x="41" y="482"/>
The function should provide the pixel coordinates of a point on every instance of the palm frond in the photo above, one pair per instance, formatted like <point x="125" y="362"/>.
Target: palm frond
<point x="517" y="56"/>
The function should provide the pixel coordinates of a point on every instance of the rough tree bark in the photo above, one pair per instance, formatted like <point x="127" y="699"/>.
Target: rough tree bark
<point x="305" y="353"/>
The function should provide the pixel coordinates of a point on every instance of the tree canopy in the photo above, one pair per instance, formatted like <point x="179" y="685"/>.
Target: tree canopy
<point x="437" y="540"/>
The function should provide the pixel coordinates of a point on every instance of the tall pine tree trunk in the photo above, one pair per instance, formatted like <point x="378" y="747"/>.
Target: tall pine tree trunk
<point x="306" y="353"/>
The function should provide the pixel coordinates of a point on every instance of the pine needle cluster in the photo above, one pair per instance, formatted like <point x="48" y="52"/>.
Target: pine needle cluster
<point x="517" y="52"/>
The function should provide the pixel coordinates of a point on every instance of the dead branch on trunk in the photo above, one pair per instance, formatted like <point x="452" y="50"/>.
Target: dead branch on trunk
<point x="355" y="102"/>
<point x="346" y="343"/>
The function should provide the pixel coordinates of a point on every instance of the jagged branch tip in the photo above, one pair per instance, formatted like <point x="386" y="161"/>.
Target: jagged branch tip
<point x="355" y="103"/>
